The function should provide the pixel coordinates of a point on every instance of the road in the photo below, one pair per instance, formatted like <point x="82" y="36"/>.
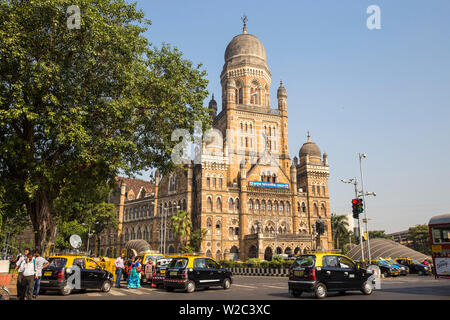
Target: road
<point x="412" y="287"/>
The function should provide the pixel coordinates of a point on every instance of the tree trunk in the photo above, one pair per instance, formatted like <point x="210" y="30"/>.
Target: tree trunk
<point x="43" y="224"/>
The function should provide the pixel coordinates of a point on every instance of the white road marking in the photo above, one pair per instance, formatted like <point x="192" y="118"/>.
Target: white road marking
<point x="275" y="287"/>
<point x="94" y="294"/>
<point x="117" y="293"/>
<point x="241" y="285"/>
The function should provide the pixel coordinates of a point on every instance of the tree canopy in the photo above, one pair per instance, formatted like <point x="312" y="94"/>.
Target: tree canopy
<point x="78" y="106"/>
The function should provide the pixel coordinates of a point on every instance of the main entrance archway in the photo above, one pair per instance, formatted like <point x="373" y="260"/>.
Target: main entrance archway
<point x="268" y="253"/>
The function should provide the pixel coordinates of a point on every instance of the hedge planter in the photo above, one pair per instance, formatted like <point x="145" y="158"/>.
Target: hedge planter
<point x="274" y="272"/>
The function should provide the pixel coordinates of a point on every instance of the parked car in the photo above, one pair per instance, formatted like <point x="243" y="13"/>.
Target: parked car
<point x="387" y="269"/>
<point x="415" y="266"/>
<point x="159" y="272"/>
<point x="191" y="272"/>
<point x="404" y="270"/>
<point x="324" y="272"/>
<point x="92" y="276"/>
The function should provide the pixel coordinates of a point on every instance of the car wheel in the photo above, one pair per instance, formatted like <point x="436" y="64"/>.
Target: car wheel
<point x="296" y="293"/>
<point x="366" y="288"/>
<point x="420" y="273"/>
<point x="66" y="291"/>
<point x="226" y="283"/>
<point x="106" y="286"/>
<point x="320" y="291"/>
<point x="190" y="287"/>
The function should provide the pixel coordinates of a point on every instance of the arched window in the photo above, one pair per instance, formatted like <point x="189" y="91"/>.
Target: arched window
<point x="250" y="205"/>
<point x="323" y="190"/>
<point x="323" y="210"/>
<point x="269" y="206"/>
<point x="281" y="206"/>
<point x="219" y="204"/>
<point x="257" y="205"/>
<point x="237" y="203"/>
<point x="316" y="210"/>
<point x="230" y="204"/>
<point x="275" y="206"/>
<point x="263" y="206"/>
<point x="139" y="234"/>
<point x="209" y="222"/>
<point x="288" y="207"/>
<point x="303" y="207"/>
<point x="209" y="204"/>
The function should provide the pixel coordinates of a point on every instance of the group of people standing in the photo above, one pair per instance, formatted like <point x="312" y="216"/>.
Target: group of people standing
<point x="133" y="270"/>
<point x="29" y="267"/>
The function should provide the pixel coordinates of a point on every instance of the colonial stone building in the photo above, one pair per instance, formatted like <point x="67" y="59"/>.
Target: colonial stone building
<point x="243" y="188"/>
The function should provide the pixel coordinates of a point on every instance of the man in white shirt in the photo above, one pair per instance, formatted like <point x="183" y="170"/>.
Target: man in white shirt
<point x="119" y="269"/>
<point x="28" y="269"/>
<point x="40" y="263"/>
<point x="19" y="261"/>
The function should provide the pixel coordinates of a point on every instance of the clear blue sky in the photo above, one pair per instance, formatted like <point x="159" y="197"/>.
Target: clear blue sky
<point x="383" y="92"/>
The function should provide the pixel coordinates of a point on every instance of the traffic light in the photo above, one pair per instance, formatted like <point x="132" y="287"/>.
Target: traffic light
<point x="360" y="206"/>
<point x="357" y="207"/>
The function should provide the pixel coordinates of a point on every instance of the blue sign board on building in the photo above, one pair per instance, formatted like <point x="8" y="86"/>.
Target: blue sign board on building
<point x="268" y="184"/>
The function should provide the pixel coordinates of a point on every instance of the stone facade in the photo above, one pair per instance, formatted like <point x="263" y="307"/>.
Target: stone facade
<point x="244" y="189"/>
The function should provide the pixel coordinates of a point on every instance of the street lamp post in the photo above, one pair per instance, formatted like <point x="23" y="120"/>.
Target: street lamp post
<point x="363" y="155"/>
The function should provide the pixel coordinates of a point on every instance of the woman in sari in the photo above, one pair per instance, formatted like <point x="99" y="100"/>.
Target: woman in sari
<point x="134" y="281"/>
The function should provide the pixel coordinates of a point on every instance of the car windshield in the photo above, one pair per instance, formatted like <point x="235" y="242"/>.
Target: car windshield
<point x="57" y="262"/>
<point x="178" y="263"/>
<point x="384" y="263"/>
<point x="392" y="261"/>
<point x="415" y="261"/>
<point x="304" y="261"/>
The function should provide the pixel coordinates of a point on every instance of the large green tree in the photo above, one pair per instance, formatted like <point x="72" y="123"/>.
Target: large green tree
<point x="339" y="229"/>
<point x="181" y="226"/>
<point x="78" y="106"/>
<point x="420" y="237"/>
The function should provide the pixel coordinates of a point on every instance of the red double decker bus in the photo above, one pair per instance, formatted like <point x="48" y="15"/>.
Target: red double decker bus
<point x="439" y="228"/>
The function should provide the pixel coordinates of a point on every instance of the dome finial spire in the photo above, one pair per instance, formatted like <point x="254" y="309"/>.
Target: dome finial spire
<point x="309" y="137"/>
<point x="244" y="21"/>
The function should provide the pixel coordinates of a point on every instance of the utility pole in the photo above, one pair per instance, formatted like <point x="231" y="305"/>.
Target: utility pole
<point x="363" y="155"/>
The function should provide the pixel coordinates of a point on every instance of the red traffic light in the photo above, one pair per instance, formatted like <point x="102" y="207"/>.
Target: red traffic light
<point x="354" y="201"/>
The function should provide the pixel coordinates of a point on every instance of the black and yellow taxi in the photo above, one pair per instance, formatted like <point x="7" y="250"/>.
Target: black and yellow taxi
<point x="146" y="256"/>
<point x="61" y="275"/>
<point x="386" y="268"/>
<point x="191" y="272"/>
<point x="323" y="272"/>
<point x="415" y="266"/>
<point x="159" y="271"/>
<point x="404" y="270"/>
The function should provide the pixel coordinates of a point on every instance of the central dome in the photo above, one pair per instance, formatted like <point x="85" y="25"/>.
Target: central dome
<point x="245" y="48"/>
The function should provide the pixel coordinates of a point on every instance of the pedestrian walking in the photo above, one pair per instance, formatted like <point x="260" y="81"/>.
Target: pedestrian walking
<point x="148" y="271"/>
<point x="21" y="258"/>
<point x="40" y="264"/>
<point x="134" y="281"/>
<point x="120" y="267"/>
<point x="28" y="269"/>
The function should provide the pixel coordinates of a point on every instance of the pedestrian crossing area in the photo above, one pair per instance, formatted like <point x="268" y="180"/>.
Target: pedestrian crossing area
<point x="116" y="292"/>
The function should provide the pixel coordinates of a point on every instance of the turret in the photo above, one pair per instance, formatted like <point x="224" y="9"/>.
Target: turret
<point x="282" y="97"/>
<point x="212" y="108"/>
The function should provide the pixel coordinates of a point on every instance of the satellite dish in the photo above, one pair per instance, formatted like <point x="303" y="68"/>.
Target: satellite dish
<point x="75" y="241"/>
